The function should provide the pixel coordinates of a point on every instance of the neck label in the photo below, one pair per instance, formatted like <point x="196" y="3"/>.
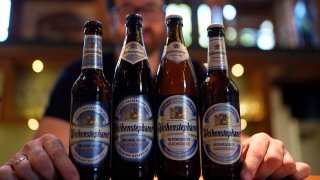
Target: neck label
<point x="133" y="52"/>
<point x="176" y="52"/>
<point x="92" y="52"/>
<point x="217" y="57"/>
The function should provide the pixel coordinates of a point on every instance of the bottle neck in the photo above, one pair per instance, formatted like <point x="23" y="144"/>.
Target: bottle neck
<point x="175" y="49"/>
<point x="217" y="57"/>
<point x="133" y="50"/>
<point x="134" y="34"/>
<point x="92" y="52"/>
<point x="174" y="34"/>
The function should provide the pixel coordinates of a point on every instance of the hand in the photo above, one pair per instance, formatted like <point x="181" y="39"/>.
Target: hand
<point x="265" y="157"/>
<point x="42" y="158"/>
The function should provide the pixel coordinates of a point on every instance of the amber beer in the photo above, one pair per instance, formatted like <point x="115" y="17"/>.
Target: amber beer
<point x="220" y="124"/>
<point x="90" y="111"/>
<point x="177" y="120"/>
<point x="133" y="148"/>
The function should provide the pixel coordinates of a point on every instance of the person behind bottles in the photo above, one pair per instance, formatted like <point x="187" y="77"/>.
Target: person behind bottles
<point x="133" y="102"/>
<point x="177" y="122"/>
<point x="264" y="156"/>
<point x="220" y="118"/>
<point x="90" y="117"/>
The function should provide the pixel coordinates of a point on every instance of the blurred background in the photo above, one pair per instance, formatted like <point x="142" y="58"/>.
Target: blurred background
<point x="273" y="52"/>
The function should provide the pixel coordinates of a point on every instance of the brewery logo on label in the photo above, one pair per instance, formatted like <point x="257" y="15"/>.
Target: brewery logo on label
<point x="177" y="128"/>
<point x="92" y="52"/>
<point x="221" y="133"/>
<point x="90" y="134"/>
<point x="177" y="52"/>
<point x="134" y="128"/>
<point x="133" y="52"/>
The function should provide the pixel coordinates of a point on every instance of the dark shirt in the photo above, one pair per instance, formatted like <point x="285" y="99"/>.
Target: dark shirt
<point x="60" y="99"/>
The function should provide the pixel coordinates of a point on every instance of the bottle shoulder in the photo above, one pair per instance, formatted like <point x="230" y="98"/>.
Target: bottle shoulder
<point x="175" y="78"/>
<point x="219" y="81"/>
<point x="91" y="81"/>
<point x="137" y="77"/>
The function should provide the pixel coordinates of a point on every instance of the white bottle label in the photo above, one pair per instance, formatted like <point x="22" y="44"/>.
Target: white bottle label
<point x="217" y="57"/>
<point x="177" y="128"/>
<point x="177" y="52"/>
<point x="133" y="52"/>
<point x="221" y="133"/>
<point x="90" y="134"/>
<point x="134" y="128"/>
<point x="92" y="52"/>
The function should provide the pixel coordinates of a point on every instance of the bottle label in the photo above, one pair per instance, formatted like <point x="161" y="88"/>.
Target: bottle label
<point x="134" y="128"/>
<point x="133" y="52"/>
<point x="177" y="128"/>
<point x="221" y="134"/>
<point x="92" y="52"/>
<point x="177" y="52"/>
<point x="90" y="134"/>
<point x="217" y="57"/>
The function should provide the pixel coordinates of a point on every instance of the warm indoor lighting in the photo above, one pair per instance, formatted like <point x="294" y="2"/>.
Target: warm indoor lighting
<point x="237" y="70"/>
<point x="204" y="20"/>
<point x="243" y="109"/>
<point x="205" y="65"/>
<point x="266" y="37"/>
<point x="4" y="19"/>
<point x="251" y="110"/>
<point x="217" y="16"/>
<point x="33" y="124"/>
<point x="248" y="37"/>
<point x="243" y="124"/>
<point x="231" y="36"/>
<point x="229" y="12"/>
<point x="37" y="66"/>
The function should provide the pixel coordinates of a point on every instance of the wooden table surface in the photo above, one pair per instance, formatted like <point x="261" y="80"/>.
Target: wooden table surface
<point x="314" y="177"/>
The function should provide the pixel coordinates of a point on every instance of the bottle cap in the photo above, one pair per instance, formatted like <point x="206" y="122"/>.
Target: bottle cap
<point x="215" y="30"/>
<point x="93" y="24"/>
<point x="134" y="19"/>
<point x="93" y="27"/>
<point x="174" y="16"/>
<point x="174" y="20"/>
<point x="215" y="26"/>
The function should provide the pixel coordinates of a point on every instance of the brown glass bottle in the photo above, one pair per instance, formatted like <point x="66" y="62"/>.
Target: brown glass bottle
<point x="89" y="147"/>
<point x="133" y="148"/>
<point x="177" y="121"/>
<point x="220" y="119"/>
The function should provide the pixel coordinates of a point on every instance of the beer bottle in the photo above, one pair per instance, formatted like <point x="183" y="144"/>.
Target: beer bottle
<point x="133" y="149"/>
<point x="177" y="120"/>
<point x="90" y="110"/>
<point x="220" y="124"/>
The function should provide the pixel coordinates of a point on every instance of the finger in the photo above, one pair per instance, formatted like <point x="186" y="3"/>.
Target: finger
<point x="272" y="160"/>
<point x="6" y="172"/>
<point x="255" y="154"/>
<point x="60" y="158"/>
<point x="287" y="168"/>
<point x="303" y="171"/>
<point x="42" y="164"/>
<point x="23" y="170"/>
